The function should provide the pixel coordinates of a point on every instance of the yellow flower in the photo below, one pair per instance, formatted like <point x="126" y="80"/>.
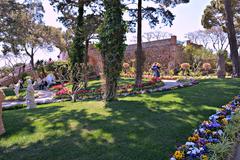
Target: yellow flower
<point x="224" y="121"/>
<point x="183" y="146"/>
<point x="221" y="117"/>
<point x="208" y="131"/>
<point x="179" y="155"/>
<point x="204" y="157"/>
<point x="196" y="136"/>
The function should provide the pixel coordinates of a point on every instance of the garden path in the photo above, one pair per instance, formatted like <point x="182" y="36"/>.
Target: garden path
<point x="236" y="155"/>
<point x="44" y="97"/>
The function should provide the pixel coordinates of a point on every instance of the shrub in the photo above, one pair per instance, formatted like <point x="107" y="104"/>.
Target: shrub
<point x="8" y="91"/>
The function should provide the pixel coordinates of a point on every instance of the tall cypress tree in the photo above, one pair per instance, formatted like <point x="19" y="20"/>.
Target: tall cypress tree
<point x="112" y="37"/>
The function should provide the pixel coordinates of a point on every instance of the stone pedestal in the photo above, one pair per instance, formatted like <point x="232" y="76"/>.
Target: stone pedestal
<point x="2" y="129"/>
<point x="221" y="71"/>
<point x="30" y="99"/>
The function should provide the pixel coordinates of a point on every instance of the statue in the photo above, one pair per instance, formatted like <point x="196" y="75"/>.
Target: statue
<point x="17" y="88"/>
<point x="2" y="96"/>
<point x="50" y="79"/>
<point x="156" y="70"/>
<point x="30" y="99"/>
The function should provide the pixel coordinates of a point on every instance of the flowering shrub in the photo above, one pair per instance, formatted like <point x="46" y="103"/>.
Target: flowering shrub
<point x="207" y="66"/>
<point x="125" y="67"/>
<point x="148" y="76"/>
<point x="185" y="66"/>
<point x="209" y="132"/>
<point x="57" y="87"/>
<point x="64" y="91"/>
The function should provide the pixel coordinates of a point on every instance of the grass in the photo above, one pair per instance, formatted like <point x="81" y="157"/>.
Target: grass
<point x="94" y="84"/>
<point x="143" y="127"/>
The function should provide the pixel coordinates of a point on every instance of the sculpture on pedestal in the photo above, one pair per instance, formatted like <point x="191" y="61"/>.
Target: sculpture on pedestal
<point x="17" y="88"/>
<point x="30" y="99"/>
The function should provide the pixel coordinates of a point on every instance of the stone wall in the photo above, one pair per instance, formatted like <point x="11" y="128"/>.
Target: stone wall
<point x="166" y="52"/>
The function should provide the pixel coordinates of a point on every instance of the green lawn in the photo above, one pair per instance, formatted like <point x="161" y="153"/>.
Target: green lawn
<point x="143" y="127"/>
<point x="94" y="84"/>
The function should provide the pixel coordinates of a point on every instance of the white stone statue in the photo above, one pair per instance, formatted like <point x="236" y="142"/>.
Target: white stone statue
<point x="50" y="79"/>
<point x="30" y="99"/>
<point x="17" y="88"/>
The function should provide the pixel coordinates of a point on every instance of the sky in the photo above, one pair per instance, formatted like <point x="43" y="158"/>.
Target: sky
<point x="187" y="19"/>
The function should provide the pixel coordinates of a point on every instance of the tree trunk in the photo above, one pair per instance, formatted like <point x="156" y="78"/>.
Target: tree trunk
<point x="32" y="61"/>
<point x="86" y="64"/>
<point x="2" y="129"/>
<point x="78" y="42"/>
<point x="232" y="38"/>
<point x="221" y="72"/>
<point x="110" y="88"/>
<point x="139" y="53"/>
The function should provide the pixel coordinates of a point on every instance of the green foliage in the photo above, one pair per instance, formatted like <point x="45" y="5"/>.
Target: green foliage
<point x="220" y="151"/>
<point x="22" y="31"/>
<point x="197" y="56"/>
<point x="51" y="67"/>
<point x="112" y="38"/>
<point x="223" y="150"/>
<point x="155" y="14"/>
<point x="24" y="75"/>
<point x="8" y="91"/>
<point x="215" y="16"/>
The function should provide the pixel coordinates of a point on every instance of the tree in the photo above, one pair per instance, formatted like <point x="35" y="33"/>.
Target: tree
<point x="197" y="56"/>
<point x="217" y="38"/>
<point x="112" y="37"/>
<point x="151" y="36"/>
<point x="14" y="64"/>
<point x="23" y="31"/>
<point x="156" y="35"/>
<point x="83" y="25"/>
<point x="219" y="42"/>
<point x="232" y="38"/>
<point x="152" y="14"/>
<point x="198" y="37"/>
<point x="216" y="16"/>
<point x="69" y="9"/>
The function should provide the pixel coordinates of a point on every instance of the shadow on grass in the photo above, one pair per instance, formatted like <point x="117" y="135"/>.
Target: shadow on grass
<point x="144" y="127"/>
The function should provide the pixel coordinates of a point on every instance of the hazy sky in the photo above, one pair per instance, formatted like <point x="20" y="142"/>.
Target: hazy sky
<point x="188" y="18"/>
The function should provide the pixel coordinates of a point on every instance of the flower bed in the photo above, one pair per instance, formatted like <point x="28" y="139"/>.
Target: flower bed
<point x="98" y="93"/>
<point x="127" y="75"/>
<point x="209" y="132"/>
<point x="125" y="90"/>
